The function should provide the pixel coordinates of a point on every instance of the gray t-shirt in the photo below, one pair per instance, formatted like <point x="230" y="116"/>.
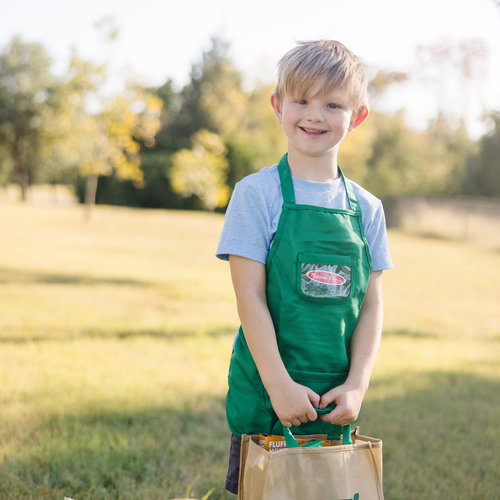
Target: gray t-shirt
<point x="255" y="207"/>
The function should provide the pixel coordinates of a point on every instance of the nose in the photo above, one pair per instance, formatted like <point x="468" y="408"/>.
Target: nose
<point x="315" y="112"/>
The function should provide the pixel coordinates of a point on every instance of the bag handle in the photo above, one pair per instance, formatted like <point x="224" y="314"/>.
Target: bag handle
<point x="291" y="442"/>
<point x="378" y="473"/>
<point x="346" y="429"/>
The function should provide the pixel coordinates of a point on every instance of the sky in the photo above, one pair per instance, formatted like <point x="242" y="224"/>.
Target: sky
<point x="161" y="39"/>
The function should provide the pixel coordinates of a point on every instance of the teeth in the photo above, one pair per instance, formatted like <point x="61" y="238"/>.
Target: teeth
<point x="312" y="131"/>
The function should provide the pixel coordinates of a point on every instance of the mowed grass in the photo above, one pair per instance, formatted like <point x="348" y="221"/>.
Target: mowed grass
<point x="115" y="337"/>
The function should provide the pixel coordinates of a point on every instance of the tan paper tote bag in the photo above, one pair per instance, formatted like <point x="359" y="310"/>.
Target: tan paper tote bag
<point x="338" y="472"/>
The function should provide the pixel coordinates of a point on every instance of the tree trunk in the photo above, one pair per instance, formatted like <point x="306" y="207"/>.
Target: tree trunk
<point x="20" y="168"/>
<point x="90" y="194"/>
<point x="24" y="183"/>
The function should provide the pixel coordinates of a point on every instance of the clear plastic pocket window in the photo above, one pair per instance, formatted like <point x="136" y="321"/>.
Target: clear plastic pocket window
<point x="319" y="280"/>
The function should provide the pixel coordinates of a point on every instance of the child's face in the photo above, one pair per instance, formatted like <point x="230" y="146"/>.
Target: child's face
<point x="315" y="125"/>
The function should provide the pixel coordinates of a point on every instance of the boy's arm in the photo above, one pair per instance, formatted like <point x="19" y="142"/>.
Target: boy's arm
<point x="293" y="403"/>
<point x="364" y="346"/>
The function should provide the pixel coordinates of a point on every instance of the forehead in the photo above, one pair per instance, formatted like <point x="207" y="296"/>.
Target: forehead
<point x="322" y="89"/>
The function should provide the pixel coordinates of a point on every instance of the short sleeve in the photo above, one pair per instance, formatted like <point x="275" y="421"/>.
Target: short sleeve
<point x="247" y="226"/>
<point x="376" y="236"/>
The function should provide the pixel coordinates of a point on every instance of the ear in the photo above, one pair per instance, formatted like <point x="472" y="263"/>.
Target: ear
<point x="275" y="103"/>
<point x="358" y="118"/>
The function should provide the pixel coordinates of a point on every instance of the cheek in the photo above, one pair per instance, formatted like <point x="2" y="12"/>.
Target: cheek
<point x="345" y="122"/>
<point x="289" y="120"/>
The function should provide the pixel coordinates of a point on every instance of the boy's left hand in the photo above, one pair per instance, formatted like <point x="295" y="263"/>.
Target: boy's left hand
<point x="347" y="401"/>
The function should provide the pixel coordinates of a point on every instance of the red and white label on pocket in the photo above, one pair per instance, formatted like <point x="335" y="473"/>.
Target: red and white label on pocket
<point x="326" y="277"/>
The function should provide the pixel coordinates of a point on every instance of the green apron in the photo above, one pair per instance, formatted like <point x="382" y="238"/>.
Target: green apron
<point x="317" y="274"/>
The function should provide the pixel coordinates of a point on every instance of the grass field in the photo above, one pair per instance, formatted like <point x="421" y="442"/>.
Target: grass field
<point x="115" y="338"/>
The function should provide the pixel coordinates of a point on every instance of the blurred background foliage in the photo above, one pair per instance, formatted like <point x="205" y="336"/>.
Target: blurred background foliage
<point x="186" y="148"/>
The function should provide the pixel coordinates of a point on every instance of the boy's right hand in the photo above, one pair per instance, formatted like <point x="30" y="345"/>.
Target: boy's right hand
<point x="295" y="404"/>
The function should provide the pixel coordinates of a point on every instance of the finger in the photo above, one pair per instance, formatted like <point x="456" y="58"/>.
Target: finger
<point x="312" y="415"/>
<point x="304" y="419"/>
<point x="296" y="422"/>
<point x="314" y="398"/>
<point x="334" y="417"/>
<point x="342" y="415"/>
<point x="327" y="398"/>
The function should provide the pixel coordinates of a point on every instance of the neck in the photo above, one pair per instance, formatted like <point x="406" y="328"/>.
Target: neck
<point x="317" y="169"/>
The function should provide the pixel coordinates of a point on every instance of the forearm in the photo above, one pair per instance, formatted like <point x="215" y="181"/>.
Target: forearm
<point x="365" y="340"/>
<point x="249" y="281"/>
<point x="260" y="336"/>
<point x="293" y="403"/>
<point x="364" y="347"/>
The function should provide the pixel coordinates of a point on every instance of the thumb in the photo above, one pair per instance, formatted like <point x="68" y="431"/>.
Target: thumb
<point x="328" y="397"/>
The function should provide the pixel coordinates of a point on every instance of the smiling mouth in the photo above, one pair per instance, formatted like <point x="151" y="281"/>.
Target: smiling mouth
<point x="312" y="131"/>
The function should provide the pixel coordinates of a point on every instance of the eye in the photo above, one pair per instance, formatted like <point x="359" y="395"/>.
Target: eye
<point x="303" y="102"/>
<point x="332" y="105"/>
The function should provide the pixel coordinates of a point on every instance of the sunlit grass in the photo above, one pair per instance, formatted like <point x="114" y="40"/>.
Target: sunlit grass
<point x="115" y="338"/>
<point x="126" y="271"/>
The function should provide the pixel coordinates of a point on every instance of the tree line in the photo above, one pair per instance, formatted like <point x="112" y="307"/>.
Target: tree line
<point x="168" y="148"/>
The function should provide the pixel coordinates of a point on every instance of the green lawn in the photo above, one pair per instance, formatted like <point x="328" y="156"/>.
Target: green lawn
<point x="115" y="338"/>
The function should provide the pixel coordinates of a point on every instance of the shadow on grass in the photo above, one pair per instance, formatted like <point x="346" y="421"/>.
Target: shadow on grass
<point x="430" y="335"/>
<point x="414" y="334"/>
<point x="8" y="275"/>
<point x="171" y="334"/>
<point x="160" y="333"/>
<point x="152" y="453"/>
<point x="440" y="433"/>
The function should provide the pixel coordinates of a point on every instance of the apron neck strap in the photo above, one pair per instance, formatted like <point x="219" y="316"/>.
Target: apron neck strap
<point x="286" y="180"/>
<point x="353" y="201"/>
<point x="289" y="193"/>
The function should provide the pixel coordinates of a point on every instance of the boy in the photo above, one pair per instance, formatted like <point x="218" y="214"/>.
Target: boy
<point x="306" y="249"/>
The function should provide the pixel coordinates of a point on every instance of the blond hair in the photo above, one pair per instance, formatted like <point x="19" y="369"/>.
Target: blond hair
<point x="302" y="67"/>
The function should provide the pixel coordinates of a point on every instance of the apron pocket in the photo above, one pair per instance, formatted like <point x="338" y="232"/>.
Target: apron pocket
<point x="324" y="277"/>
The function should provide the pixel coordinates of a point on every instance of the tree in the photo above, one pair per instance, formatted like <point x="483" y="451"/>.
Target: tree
<point x="448" y="148"/>
<point x="482" y="171"/>
<point x="64" y="129"/>
<point x="201" y="170"/>
<point x="394" y="165"/>
<point x="213" y="99"/>
<point x="26" y="95"/>
<point x="382" y="80"/>
<point x="110" y="139"/>
<point x="97" y="135"/>
<point x="212" y="102"/>
<point x="262" y="142"/>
